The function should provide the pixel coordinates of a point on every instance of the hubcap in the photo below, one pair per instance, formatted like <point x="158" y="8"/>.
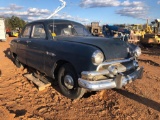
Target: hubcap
<point x="68" y="81"/>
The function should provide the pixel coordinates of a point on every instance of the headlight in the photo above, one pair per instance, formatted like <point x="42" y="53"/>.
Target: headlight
<point x="137" y="52"/>
<point x="97" y="57"/>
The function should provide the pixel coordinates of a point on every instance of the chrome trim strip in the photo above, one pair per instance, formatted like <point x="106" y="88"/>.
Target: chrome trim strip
<point x="94" y="73"/>
<point x="50" y="53"/>
<point x="114" y="62"/>
<point x="97" y="85"/>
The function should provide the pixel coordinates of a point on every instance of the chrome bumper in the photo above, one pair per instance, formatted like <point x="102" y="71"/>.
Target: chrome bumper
<point x="117" y="82"/>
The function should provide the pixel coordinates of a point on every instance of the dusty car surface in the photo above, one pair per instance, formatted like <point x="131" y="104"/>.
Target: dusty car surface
<point x="65" y="51"/>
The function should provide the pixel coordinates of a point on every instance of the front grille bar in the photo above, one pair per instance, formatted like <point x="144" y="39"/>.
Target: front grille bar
<point x="114" y="62"/>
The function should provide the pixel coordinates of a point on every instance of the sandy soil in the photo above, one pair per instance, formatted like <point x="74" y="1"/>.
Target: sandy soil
<point x="20" y="99"/>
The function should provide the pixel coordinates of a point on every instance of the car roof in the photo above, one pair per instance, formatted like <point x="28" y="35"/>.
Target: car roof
<point x="51" y="20"/>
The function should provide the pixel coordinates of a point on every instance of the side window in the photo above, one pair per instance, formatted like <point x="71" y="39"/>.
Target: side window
<point x="26" y="32"/>
<point x="38" y="31"/>
<point x="61" y="29"/>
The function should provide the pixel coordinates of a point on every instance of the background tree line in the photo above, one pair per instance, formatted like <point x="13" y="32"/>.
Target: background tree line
<point x="14" y="22"/>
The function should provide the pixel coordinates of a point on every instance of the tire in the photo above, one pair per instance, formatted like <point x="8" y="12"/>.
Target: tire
<point x="68" y="82"/>
<point x="18" y="63"/>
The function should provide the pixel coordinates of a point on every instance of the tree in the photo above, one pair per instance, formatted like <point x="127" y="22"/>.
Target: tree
<point x="7" y="23"/>
<point x="14" y="22"/>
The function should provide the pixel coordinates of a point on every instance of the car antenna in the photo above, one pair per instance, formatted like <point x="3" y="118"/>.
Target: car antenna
<point x="58" y="8"/>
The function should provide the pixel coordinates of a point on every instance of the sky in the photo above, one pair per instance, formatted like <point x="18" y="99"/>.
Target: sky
<point x="84" y="11"/>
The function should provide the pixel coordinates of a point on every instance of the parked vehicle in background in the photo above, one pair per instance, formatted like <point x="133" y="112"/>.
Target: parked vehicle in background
<point x="65" y="51"/>
<point x="12" y="33"/>
<point x="95" y="29"/>
<point x="113" y="31"/>
<point x="152" y="37"/>
<point x="2" y="30"/>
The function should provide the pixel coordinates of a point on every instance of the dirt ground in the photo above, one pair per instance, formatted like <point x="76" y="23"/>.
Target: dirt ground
<point x="20" y="99"/>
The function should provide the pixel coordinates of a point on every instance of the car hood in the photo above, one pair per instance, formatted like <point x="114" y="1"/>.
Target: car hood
<point x="112" y="48"/>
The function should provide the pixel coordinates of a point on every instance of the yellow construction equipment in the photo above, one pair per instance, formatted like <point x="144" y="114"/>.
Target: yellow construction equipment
<point x="151" y="34"/>
<point x="148" y="28"/>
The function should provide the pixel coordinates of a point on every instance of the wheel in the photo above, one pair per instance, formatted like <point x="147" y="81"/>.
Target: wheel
<point x="68" y="82"/>
<point x="18" y="63"/>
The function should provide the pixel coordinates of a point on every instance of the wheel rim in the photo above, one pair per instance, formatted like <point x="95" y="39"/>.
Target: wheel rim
<point x="69" y="82"/>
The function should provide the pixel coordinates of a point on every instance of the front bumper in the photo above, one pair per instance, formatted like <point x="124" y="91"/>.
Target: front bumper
<point x="119" y="81"/>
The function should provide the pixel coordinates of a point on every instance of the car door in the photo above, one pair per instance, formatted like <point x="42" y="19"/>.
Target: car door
<point x="22" y="44"/>
<point x="35" y="47"/>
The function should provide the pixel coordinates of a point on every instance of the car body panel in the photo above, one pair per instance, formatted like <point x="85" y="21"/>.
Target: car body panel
<point x="35" y="53"/>
<point x="21" y="49"/>
<point x="110" y="47"/>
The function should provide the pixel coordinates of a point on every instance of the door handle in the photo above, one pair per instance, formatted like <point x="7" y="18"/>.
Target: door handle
<point x="28" y="41"/>
<point x="18" y="40"/>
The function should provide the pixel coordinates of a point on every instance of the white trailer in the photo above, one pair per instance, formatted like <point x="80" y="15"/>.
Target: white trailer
<point x="2" y="30"/>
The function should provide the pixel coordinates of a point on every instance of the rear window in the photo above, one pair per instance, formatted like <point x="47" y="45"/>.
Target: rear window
<point x="38" y="31"/>
<point x="26" y="32"/>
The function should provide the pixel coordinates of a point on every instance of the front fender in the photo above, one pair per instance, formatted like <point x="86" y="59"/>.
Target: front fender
<point x="77" y="54"/>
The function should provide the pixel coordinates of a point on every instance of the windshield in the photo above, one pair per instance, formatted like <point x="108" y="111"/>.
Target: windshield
<point x="156" y="27"/>
<point x="66" y="29"/>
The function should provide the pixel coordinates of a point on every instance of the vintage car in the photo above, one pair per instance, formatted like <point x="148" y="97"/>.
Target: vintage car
<point x="65" y="51"/>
